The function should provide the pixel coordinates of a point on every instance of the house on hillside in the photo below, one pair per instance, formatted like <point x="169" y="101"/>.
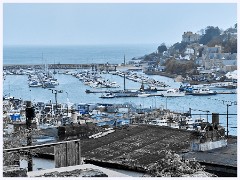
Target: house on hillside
<point x="212" y="58"/>
<point x="229" y="65"/>
<point x="189" y="37"/>
<point x="189" y="51"/>
<point x="207" y="50"/>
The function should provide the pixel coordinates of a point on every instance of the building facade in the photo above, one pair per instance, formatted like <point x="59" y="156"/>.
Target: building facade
<point x="189" y="37"/>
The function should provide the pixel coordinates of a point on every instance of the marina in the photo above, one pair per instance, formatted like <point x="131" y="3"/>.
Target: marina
<point x="153" y="99"/>
<point x="88" y="116"/>
<point x="108" y="103"/>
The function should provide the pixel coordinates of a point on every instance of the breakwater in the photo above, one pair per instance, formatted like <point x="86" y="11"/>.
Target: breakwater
<point x="106" y="66"/>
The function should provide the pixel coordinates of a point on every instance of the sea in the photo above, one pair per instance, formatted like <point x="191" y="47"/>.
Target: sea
<point x="74" y="90"/>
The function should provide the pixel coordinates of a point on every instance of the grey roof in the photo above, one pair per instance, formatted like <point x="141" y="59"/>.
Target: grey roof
<point x="229" y="62"/>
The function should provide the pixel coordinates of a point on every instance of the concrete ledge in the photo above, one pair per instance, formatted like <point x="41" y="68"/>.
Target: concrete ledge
<point x="209" y="145"/>
<point x="108" y="172"/>
<point x="13" y="171"/>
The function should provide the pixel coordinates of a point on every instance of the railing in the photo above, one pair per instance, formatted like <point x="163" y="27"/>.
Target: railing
<point x="66" y="153"/>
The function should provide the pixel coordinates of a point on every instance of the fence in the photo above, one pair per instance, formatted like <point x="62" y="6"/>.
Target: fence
<point x="66" y="153"/>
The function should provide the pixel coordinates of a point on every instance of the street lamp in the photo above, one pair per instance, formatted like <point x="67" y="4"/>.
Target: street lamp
<point x="227" y="112"/>
<point x="67" y="103"/>
<point x="166" y="103"/>
<point x="231" y="102"/>
<point x="155" y="102"/>
<point x="207" y="115"/>
<point x="227" y="117"/>
<point x="56" y="92"/>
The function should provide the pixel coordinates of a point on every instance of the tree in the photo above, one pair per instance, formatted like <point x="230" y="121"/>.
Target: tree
<point x="150" y="57"/>
<point x="162" y="48"/>
<point x="181" y="68"/>
<point x="230" y="46"/>
<point x="180" y="46"/>
<point x="210" y="33"/>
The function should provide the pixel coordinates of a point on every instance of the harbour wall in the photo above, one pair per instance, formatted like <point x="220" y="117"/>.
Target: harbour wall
<point x="109" y="67"/>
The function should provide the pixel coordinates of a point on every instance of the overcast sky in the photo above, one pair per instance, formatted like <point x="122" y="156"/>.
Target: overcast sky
<point x="72" y="24"/>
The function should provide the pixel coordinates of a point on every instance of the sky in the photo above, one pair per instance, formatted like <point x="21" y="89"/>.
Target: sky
<point x="105" y="23"/>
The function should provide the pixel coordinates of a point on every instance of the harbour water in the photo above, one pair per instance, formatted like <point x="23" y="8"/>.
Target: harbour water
<point x="74" y="90"/>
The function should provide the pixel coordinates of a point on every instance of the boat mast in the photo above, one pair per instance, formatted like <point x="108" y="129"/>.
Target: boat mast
<point x="124" y="82"/>
<point x="54" y="72"/>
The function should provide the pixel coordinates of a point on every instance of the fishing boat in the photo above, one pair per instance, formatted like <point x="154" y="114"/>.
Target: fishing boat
<point x="198" y="121"/>
<point x="173" y="93"/>
<point x="187" y="123"/>
<point x="203" y="92"/>
<point x="186" y="87"/>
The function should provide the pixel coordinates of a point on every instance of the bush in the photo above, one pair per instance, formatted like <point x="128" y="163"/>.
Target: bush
<point x="171" y="164"/>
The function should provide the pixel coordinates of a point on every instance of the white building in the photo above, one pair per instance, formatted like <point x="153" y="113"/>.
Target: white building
<point x="189" y="37"/>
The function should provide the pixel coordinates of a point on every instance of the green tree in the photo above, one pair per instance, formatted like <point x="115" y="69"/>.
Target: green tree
<point x="210" y="33"/>
<point x="162" y="48"/>
<point x="230" y="46"/>
<point x="150" y="57"/>
<point x="181" y="68"/>
<point x="180" y="46"/>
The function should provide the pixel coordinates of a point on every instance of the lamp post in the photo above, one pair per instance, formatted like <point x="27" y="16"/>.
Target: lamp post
<point x="67" y="103"/>
<point x="227" y="117"/>
<point x="227" y="112"/>
<point x="155" y="102"/>
<point x="166" y="103"/>
<point x="207" y="115"/>
<point x="55" y="92"/>
<point x="228" y="103"/>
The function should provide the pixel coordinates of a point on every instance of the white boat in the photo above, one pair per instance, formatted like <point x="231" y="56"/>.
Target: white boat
<point x="189" y="121"/>
<point x="173" y="93"/>
<point x="174" y="125"/>
<point x="109" y="95"/>
<point x="143" y="94"/>
<point x="203" y="91"/>
<point x="35" y="83"/>
<point x="159" y="122"/>
<point x="114" y="85"/>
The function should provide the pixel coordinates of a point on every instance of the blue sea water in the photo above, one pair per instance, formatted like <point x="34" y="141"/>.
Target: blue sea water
<point x="74" y="90"/>
<point x="82" y="54"/>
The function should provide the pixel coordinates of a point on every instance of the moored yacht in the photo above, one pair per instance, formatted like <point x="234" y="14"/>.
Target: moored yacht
<point x="203" y="91"/>
<point x="173" y="93"/>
